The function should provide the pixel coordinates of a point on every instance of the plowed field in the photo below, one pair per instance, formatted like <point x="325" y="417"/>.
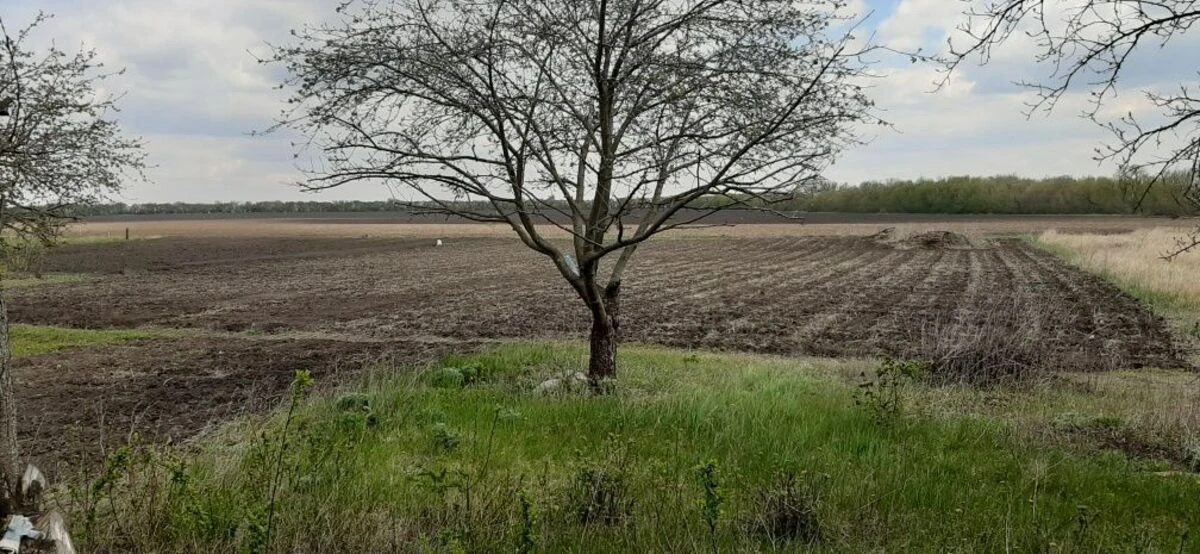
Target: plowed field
<point x="258" y="307"/>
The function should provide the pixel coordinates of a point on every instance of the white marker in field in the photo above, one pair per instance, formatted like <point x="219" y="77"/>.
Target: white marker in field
<point x="439" y="242"/>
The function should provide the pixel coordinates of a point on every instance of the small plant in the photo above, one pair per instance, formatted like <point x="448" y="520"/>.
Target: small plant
<point x="881" y="394"/>
<point x="447" y="378"/>
<point x="301" y="384"/>
<point x="353" y="402"/>
<point x="444" y="438"/>
<point x="787" y="510"/>
<point x="115" y="467"/>
<point x="356" y="414"/>
<point x="527" y="535"/>
<point x="710" y="506"/>
<point x="471" y="373"/>
<point x="456" y="377"/>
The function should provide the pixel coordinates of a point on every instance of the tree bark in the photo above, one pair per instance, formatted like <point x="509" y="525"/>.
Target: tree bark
<point x="602" y="359"/>
<point x="10" y="472"/>
<point x="612" y="305"/>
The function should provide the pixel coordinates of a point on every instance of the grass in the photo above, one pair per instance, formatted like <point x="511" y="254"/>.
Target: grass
<point x="109" y="238"/>
<point x="34" y="340"/>
<point x="1133" y="262"/>
<point x="11" y="282"/>
<point x="691" y="452"/>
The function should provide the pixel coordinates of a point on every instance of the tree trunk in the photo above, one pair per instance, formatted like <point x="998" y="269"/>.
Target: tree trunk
<point x="612" y="305"/>
<point x="602" y="361"/>
<point x="10" y="472"/>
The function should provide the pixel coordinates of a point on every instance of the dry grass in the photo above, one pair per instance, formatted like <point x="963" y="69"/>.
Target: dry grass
<point x="1134" y="259"/>
<point x="1148" y="413"/>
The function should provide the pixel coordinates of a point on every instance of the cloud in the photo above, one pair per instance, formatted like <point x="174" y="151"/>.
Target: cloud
<point x="976" y="123"/>
<point x="194" y="89"/>
<point x="917" y="24"/>
<point x="193" y="86"/>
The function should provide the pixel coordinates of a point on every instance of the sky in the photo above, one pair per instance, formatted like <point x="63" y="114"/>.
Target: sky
<point x="195" y="92"/>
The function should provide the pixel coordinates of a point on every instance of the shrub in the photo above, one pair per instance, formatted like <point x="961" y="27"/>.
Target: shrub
<point x="881" y="394"/>
<point x="1004" y="345"/>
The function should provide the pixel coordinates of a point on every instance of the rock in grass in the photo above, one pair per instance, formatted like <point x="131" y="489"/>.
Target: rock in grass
<point x="550" y="386"/>
<point x="565" y="383"/>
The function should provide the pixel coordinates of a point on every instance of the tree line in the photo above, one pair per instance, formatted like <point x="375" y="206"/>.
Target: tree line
<point x="1005" y="194"/>
<point x="1001" y="194"/>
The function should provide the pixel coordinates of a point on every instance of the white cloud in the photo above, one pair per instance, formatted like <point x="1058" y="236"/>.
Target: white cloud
<point x="195" y="88"/>
<point x="916" y="24"/>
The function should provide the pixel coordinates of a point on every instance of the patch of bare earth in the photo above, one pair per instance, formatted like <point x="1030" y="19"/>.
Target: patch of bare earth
<point x="793" y="295"/>
<point x="77" y="404"/>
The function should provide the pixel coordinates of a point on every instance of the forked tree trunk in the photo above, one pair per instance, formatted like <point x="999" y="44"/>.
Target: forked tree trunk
<point x="10" y="473"/>
<point x="602" y="359"/>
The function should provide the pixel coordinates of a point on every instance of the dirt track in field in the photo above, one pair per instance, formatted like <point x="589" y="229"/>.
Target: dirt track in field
<point x="262" y="307"/>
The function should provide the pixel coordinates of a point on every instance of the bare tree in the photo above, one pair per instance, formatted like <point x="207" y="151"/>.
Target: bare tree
<point x="59" y="148"/>
<point x="1089" y="44"/>
<point x="600" y="120"/>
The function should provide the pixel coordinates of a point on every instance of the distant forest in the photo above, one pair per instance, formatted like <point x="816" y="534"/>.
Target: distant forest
<point x="952" y="195"/>
<point x="1004" y="195"/>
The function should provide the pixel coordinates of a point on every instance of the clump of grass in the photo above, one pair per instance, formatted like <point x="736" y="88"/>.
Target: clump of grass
<point x="936" y="483"/>
<point x="787" y="511"/>
<point x="600" y="495"/>
<point x="33" y="340"/>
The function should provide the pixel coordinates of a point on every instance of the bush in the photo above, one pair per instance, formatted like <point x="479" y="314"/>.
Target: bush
<point x="881" y="394"/>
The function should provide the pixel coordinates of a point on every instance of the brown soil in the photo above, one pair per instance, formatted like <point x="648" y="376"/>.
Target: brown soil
<point x="79" y="404"/>
<point x="936" y="240"/>
<point x="829" y="296"/>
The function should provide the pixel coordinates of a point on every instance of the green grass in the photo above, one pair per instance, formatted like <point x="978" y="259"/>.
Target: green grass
<point x="102" y="239"/>
<point x="11" y="282"/>
<point x="412" y="461"/>
<point x="33" y="340"/>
